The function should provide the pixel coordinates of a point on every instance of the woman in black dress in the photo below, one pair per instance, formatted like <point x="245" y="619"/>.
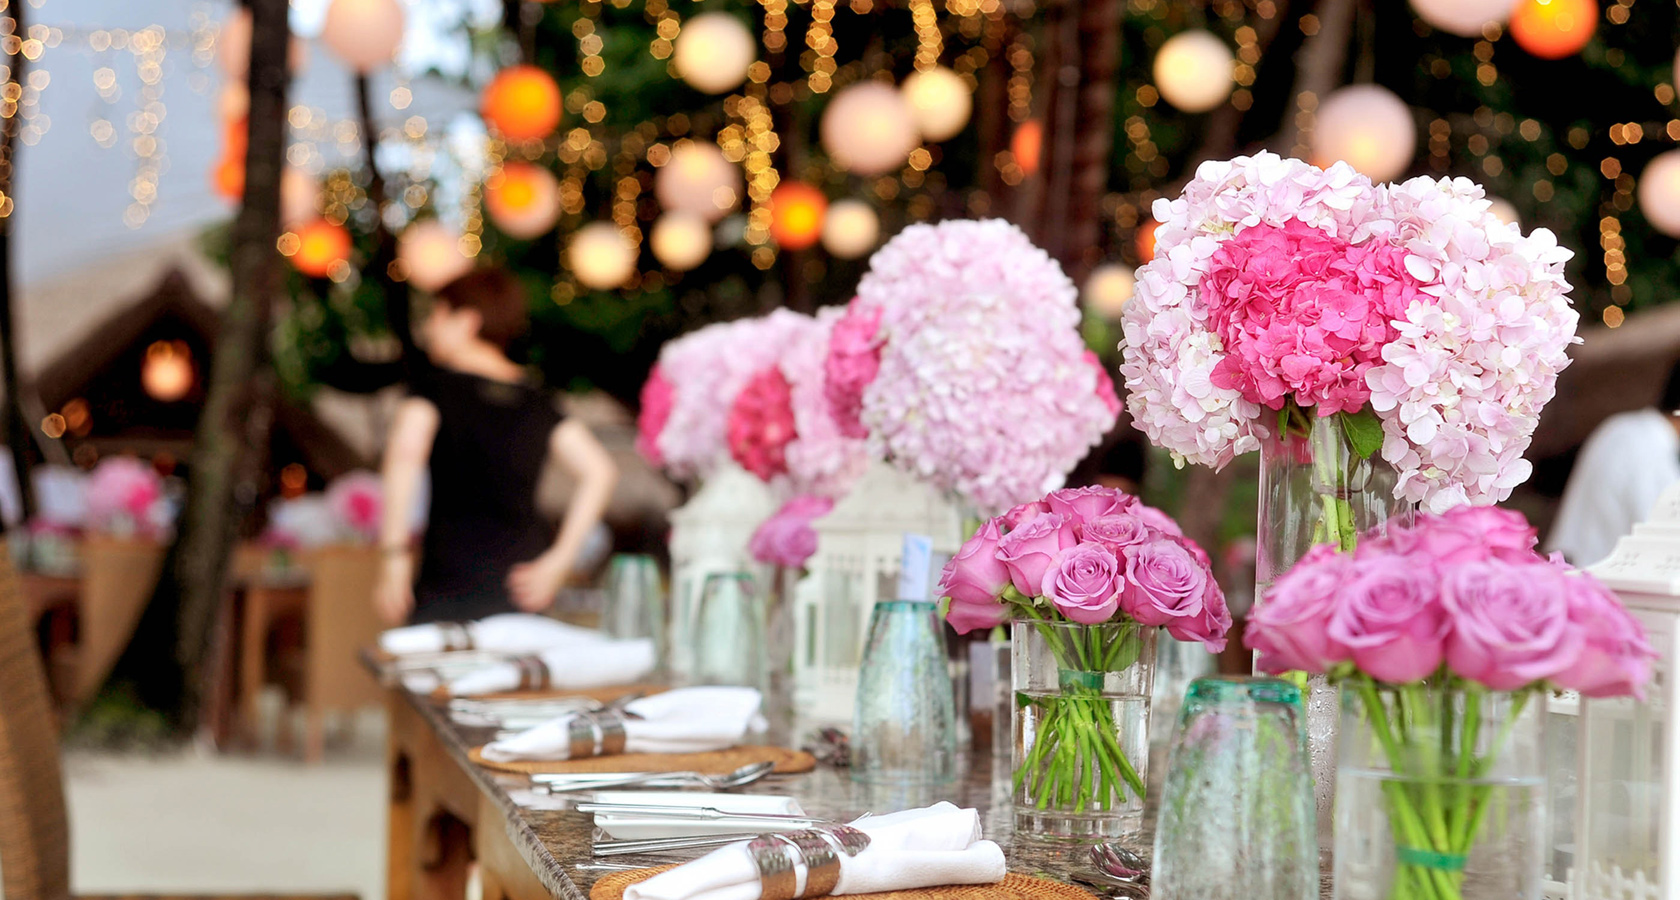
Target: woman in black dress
<point x="484" y="432"/>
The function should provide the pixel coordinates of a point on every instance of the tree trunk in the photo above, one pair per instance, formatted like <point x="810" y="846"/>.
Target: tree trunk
<point x="397" y="313"/>
<point x="19" y="434"/>
<point x="1319" y="70"/>
<point x="1099" y="61"/>
<point x="165" y="661"/>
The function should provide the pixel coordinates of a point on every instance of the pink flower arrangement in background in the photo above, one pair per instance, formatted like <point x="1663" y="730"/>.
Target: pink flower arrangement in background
<point x="656" y="400"/>
<point x="125" y="498"/>
<point x="787" y="539"/>
<point x="1459" y="595"/>
<point x="854" y="359"/>
<point x="357" y="503"/>
<point x="822" y="459"/>
<point x="761" y="424"/>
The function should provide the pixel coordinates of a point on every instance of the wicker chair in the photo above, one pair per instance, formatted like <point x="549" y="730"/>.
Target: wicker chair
<point x="34" y="834"/>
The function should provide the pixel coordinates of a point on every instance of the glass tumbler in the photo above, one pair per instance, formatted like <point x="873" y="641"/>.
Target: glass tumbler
<point x="728" y="632"/>
<point x="904" y="727"/>
<point x="1237" y="807"/>
<point x="635" y="603"/>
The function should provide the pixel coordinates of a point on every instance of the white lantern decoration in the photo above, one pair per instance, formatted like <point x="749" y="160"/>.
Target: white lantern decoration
<point x="1659" y="193"/>
<point x="363" y="33"/>
<point x="233" y="47"/>
<point x="868" y="129"/>
<point x="851" y="229"/>
<point x="431" y="253"/>
<point x="698" y="179"/>
<point x="1505" y="211"/>
<point x="940" y="100"/>
<point x="1193" y="70"/>
<point x="709" y="535"/>
<point x="681" y="240"/>
<point x="600" y="256"/>
<point x="1107" y="289"/>
<point x="1465" y="18"/>
<point x="713" y="52"/>
<point x="300" y="196"/>
<point x="1369" y="128"/>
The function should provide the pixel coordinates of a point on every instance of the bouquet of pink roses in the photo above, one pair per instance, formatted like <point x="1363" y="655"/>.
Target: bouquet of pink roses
<point x="1431" y="630"/>
<point x="1101" y="560"/>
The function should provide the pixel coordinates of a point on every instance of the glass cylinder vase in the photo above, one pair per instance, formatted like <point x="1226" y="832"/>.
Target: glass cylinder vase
<point x="1441" y="794"/>
<point x="1081" y="728"/>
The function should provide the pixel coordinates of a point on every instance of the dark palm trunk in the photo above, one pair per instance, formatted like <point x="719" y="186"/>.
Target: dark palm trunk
<point x="19" y="435"/>
<point x="385" y="251"/>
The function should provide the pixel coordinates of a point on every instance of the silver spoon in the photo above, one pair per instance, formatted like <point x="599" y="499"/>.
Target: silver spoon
<point x="741" y="777"/>
<point x="1123" y="866"/>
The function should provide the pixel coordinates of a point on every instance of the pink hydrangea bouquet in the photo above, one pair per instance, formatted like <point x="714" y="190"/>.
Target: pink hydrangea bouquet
<point x="357" y="502"/>
<point x="125" y="499"/>
<point x="1088" y="573"/>
<point x="962" y="362"/>
<point x="1279" y="293"/>
<point x="1442" y="634"/>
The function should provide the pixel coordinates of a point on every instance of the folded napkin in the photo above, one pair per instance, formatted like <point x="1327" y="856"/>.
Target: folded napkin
<point x="598" y="663"/>
<point x="918" y="848"/>
<point x="686" y="720"/>
<point x="503" y="633"/>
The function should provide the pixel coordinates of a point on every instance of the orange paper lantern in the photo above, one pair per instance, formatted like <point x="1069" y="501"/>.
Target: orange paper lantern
<point x="321" y="245"/>
<point x="228" y="177"/>
<point x="522" y="103"/>
<point x="1028" y="145"/>
<point x="796" y="215"/>
<point x="1554" y="29"/>
<point x="523" y="200"/>
<point x="1146" y="240"/>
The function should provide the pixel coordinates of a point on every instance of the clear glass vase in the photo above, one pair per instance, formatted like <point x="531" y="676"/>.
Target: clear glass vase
<point x="1441" y="794"/>
<point x="1315" y="489"/>
<point x="1081" y="728"/>
<point x="904" y="728"/>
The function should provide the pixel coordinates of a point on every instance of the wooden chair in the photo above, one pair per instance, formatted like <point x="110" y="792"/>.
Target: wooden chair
<point x="34" y="833"/>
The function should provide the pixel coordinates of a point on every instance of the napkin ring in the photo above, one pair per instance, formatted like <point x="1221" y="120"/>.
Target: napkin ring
<point x="595" y="733"/>
<point x="455" y="636"/>
<point x="533" y="672"/>
<point x="818" y="849"/>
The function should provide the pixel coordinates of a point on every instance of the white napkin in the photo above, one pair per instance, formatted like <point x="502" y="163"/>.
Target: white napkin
<point x="687" y="720"/>
<point x="917" y="848"/>
<point x="501" y="633"/>
<point x="599" y="663"/>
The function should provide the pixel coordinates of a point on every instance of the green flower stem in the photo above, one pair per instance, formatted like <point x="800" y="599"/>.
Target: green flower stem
<point x="1404" y="817"/>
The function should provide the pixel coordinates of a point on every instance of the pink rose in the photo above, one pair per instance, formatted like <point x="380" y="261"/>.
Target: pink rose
<point x="1390" y="619"/>
<point x="974" y="579"/>
<point x="1164" y="583"/>
<point x="1024" y="513"/>
<point x="1616" y="658"/>
<point x="1087" y="503"/>
<point x="1029" y="550"/>
<point x="1211" y="626"/>
<point x="1289" y="627"/>
<point x="1157" y="520"/>
<point x="1084" y="584"/>
<point x="1465" y="534"/>
<point x="787" y="539"/>
<point x="1117" y="531"/>
<point x="658" y="396"/>
<point x="1510" y="623"/>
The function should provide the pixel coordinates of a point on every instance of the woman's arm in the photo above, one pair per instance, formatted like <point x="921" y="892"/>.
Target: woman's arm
<point x="534" y="584"/>
<point x="407" y="450"/>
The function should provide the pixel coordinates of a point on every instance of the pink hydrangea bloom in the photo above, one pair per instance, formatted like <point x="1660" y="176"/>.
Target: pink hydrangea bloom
<point x="356" y="500"/>
<point x="761" y="424"/>
<point x="1105" y="383"/>
<point x="657" y="398"/>
<point x="822" y="459"/>
<point x="123" y="497"/>
<point x="853" y="361"/>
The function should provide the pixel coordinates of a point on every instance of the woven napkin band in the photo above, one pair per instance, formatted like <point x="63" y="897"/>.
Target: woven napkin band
<point x="817" y="849"/>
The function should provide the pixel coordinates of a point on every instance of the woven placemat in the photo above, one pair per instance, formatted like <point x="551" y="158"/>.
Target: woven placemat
<point x="717" y="762"/>
<point x="1012" y="887"/>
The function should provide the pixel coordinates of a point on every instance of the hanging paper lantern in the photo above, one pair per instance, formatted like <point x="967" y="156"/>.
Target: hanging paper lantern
<point x="681" y="240"/>
<point x="363" y="33"/>
<point x="1465" y="18"/>
<point x="1369" y="128"/>
<point x="431" y="255"/>
<point x="698" y="179"/>
<point x="1659" y="193"/>
<point x="796" y="215"/>
<point x="321" y="245"/>
<point x="1108" y="287"/>
<point x="227" y="178"/>
<point x="1146" y="240"/>
<point x="713" y="52"/>
<point x="233" y="48"/>
<point x="1027" y="145"/>
<point x="522" y="103"/>
<point x="1553" y="29"/>
<point x="850" y="229"/>
<point x="300" y="196"/>
<point x="523" y="200"/>
<point x="600" y="256"/>
<point x="940" y="101"/>
<point x="1193" y="71"/>
<point x="868" y="129"/>
<point x="234" y="102"/>
<point x="1505" y="211"/>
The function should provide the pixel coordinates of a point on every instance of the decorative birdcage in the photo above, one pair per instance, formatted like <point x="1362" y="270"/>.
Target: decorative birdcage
<point x="1626" y="812"/>
<point x="860" y="546"/>
<point x="709" y="534"/>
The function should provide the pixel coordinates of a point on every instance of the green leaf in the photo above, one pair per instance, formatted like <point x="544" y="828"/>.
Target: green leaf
<point x="1364" y="432"/>
<point x="1283" y="420"/>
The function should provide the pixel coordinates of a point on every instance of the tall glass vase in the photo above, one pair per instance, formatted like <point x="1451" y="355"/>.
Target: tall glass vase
<point x="1081" y="716"/>
<point x="1316" y="489"/>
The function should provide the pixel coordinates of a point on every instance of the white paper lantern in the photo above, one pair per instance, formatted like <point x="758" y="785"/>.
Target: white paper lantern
<point x="698" y="179"/>
<point x="940" y="100"/>
<point x="1369" y="128"/>
<point x="1505" y="211"/>
<point x="851" y="229"/>
<point x="868" y="129"/>
<point x="1107" y="289"/>
<point x="1659" y="193"/>
<point x="681" y="240"/>
<point x="233" y="47"/>
<point x="300" y="196"/>
<point x="431" y="253"/>
<point x="1193" y="70"/>
<point x="1465" y="18"/>
<point x="601" y="256"/>
<point x="713" y="51"/>
<point x="363" y="33"/>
